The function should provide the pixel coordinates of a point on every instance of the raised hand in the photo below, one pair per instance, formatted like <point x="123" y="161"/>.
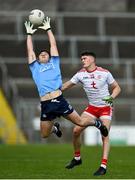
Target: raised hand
<point x="46" y="24"/>
<point x="29" y="28"/>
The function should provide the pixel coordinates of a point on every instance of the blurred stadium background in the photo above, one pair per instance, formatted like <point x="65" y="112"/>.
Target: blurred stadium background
<point x="106" y="27"/>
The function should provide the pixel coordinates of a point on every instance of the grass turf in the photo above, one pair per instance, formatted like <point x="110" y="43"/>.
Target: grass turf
<point x="48" y="162"/>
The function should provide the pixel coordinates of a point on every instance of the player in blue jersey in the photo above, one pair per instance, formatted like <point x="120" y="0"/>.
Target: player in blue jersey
<point x="47" y="76"/>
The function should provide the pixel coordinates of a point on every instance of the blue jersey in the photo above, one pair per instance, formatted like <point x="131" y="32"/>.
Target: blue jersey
<point x="47" y="76"/>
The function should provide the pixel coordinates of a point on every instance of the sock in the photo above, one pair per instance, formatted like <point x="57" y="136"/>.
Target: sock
<point x="104" y="163"/>
<point x="54" y="129"/>
<point x="98" y="124"/>
<point x="77" y="155"/>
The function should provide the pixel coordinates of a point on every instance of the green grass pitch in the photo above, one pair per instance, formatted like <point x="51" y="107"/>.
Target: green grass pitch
<point x="47" y="161"/>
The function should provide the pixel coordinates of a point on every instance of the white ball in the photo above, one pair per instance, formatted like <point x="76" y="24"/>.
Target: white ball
<point x="36" y="17"/>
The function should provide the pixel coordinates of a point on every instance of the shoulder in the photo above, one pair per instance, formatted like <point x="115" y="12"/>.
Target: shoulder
<point x="82" y="70"/>
<point x="79" y="74"/>
<point x="102" y="69"/>
<point x="55" y="57"/>
<point x="34" y="62"/>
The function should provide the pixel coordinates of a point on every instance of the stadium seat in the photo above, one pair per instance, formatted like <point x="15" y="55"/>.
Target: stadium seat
<point x="133" y="70"/>
<point x="7" y="25"/>
<point x="127" y="91"/>
<point x="101" y="48"/>
<point x="18" y="70"/>
<point x="126" y="49"/>
<point x="90" y="6"/>
<point x="25" y="6"/>
<point x="120" y="26"/>
<point x="78" y="24"/>
<point x="122" y="113"/>
<point x="13" y="48"/>
<point x="26" y="88"/>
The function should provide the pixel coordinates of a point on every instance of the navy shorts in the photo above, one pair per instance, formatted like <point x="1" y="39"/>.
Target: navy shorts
<point x="54" y="108"/>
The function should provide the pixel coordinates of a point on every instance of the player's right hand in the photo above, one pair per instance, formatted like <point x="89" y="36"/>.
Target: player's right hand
<point x="29" y="28"/>
<point x="46" y="24"/>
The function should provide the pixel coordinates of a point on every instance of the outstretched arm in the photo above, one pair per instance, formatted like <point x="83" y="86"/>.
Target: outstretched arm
<point x="67" y="85"/>
<point x="53" y="46"/>
<point x="30" y="31"/>
<point x="31" y="53"/>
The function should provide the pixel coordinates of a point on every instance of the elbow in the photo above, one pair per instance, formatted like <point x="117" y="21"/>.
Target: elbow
<point x="119" y="89"/>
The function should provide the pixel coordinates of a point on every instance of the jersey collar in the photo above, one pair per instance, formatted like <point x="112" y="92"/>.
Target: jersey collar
<point x="92" y="70"/>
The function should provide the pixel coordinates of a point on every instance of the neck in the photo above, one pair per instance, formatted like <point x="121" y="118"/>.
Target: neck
<point x="91" y="68"/>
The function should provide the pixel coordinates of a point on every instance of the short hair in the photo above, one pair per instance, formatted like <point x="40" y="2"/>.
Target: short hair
<point x="44" y="50"/>
<point x="88" y="53"/>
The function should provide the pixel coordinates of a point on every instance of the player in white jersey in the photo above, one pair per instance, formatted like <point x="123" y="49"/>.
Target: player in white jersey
<point x="96" y="82"/>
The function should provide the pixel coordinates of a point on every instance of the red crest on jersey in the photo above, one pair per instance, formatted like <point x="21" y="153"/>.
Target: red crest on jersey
<point x="99" y="77"/>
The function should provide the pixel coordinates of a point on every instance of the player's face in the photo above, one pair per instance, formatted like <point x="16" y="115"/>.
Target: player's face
<point x="87" y="61"/>
<point x="43" y="57"/>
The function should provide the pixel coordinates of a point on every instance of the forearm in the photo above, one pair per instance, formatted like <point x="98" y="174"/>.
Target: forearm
<point x="51" y="38"/>
<point x="31" y="53"/>
<point x="115" y="92"/>
<point x="29" y="43"/>
<point x="30" y="31"/>
<point x="67" y="85"/>
<point x="53" y="45"/>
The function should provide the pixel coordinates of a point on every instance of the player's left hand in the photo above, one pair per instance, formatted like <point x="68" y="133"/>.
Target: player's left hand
<point x="29" y="28"/>
<point x="108" y="100"/>
<point x="46" y="24"/>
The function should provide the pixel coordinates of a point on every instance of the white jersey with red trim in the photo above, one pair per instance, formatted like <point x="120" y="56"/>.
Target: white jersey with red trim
<point x="95" y="84"/>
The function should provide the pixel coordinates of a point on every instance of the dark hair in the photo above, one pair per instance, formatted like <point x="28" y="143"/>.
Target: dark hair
<point x="88" y="53"/>
<point x="44" y="50"/>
